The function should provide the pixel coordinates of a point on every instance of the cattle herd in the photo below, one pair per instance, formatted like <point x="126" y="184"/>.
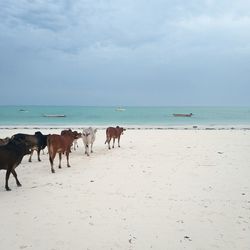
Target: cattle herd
<point x="12" y="150"/>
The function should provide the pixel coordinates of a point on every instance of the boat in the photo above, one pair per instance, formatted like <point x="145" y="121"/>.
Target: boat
<point x="183" y="115"/>
<point x="120" y="109"/>
<point x="53" y="115"/>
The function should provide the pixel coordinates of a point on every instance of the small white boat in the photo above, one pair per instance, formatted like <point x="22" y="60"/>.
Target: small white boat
<point x="53" y="115"/>
<point x="120" y="109"/>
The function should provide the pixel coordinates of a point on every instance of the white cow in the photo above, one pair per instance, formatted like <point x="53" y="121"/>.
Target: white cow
<point x="75" y="144"/>
<point x="88" y="137"/>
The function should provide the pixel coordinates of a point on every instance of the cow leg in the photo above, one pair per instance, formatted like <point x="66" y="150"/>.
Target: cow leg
<point x="38" y="154"/>
<point x="67" y="156"/>
<point x="7" y="179"/>
<point x="91" y="148"/>
<point x="87" y="149"/>
<point x="113" y="142"/>
<point x="15" y="175"/>
<point x="109" y="142"/>
<point x="119" y="141"/>
<point x="51" y="159"/>
<point x="31" y="153"/>
<point x="75" y="145"/>
<point x="60" y="160"/>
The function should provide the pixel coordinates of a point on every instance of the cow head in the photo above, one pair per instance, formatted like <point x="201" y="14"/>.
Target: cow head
<point x="120" y="129"/>
<point x="85" y="133"/>
<point x="77" y="135"/>
<point x="38" y="133"/>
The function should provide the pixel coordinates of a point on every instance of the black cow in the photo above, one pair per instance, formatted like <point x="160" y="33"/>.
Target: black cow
<point x="38" y="141"/>
<point x="4" y="141"/>
<point x="11" y="155"/>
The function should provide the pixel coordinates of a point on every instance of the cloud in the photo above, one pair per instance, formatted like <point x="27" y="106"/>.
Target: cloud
<point x="72" y="26"/>
<point x="34" y="14"/>
<point x="134" y="42"/>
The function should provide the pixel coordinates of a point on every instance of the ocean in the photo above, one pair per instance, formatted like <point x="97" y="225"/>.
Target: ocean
<point x="126" y="116"/>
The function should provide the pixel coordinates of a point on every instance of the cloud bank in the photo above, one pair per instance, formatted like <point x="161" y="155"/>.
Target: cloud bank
<point x="109" y="52"/>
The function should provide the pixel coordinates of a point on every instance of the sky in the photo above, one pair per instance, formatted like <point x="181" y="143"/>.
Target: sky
<point x="131" y="53"/>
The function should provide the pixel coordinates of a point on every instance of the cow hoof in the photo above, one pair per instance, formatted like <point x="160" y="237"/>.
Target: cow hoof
<point x="69" y="166"/>
<point x="8" y="189"/>
<point x="39" y="159"/>
<point x="53" y="171"/>
<point x="59" y="167"/>
<point x="19" y="184"/>
<point x="29" y="160"/>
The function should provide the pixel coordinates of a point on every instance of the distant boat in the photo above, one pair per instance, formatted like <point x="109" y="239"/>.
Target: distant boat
<point x="23" y="110"/>
<point x="120" y="109"/>
<point x="53" y="115"/>
<point x="183" y="115"/>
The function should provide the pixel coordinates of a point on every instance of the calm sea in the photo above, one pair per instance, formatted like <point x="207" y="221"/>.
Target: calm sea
<point x="142" y="116"/>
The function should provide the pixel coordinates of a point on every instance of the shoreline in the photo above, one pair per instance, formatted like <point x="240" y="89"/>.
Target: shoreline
<point x="131" y="127"/>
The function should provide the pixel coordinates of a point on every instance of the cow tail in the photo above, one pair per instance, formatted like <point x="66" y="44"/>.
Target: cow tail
<point x="106" y="140"/>
<point x="106" y="136"/>
<point x="50" y="148"/>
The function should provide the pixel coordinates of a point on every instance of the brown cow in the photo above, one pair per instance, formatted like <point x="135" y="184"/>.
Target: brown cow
<point x="69" y="132"/>
<point x="114" y="133"/>
<point x="60" y="144"/>
<point x="75" y="133"/>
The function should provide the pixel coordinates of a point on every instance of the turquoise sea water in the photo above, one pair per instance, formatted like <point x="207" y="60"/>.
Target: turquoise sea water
<point x="142" y="116"/>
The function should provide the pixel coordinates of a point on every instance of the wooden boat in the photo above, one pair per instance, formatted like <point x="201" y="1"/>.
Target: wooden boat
<point x="183" y="115"/>
<point x="53" y="115"/>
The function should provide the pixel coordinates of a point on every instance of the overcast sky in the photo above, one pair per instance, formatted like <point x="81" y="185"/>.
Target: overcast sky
<point x="125" y="52"/>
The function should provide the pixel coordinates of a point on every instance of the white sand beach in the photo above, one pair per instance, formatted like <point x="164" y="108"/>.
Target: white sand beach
<point x="163" y="189"/>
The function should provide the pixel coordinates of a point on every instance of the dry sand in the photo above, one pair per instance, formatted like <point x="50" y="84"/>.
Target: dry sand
<point x="163" y="189"/>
